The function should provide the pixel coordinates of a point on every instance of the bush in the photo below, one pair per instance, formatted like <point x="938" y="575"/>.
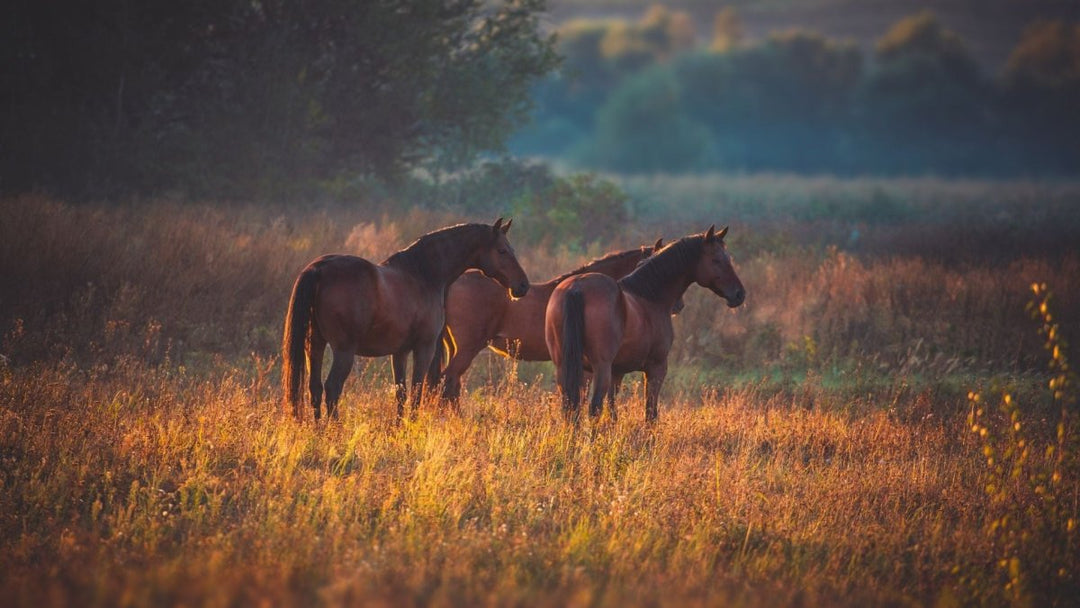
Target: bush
<point x="1031" y="480"/>
<point x="577" y="210"/>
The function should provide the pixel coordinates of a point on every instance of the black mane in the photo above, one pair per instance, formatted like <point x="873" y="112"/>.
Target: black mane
<point x="429" y="254"/>
<point x="657" y="271"/>
<point x="590" y="266"/>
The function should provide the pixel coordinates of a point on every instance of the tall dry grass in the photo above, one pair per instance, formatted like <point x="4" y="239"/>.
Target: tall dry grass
<point x="197" y="283"/>
<point x="813" y="446"/>
<point x="151" y="486"/>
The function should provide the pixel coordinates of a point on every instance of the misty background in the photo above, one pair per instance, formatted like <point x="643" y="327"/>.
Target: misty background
<point x="469" y="101"/>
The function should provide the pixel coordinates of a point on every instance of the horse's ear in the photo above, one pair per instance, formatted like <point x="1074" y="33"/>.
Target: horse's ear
<point x="506" y="226"/>
<point x="658" y="244"/>
<point x="723" y="233"/>
<point x="710" y="234"/>
<point x="497" y="226"/>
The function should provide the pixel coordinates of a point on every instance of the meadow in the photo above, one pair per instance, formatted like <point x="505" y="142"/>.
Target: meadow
<point x="889" y="419"/>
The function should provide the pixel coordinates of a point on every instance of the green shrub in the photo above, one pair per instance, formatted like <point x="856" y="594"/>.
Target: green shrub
<point x="577" y="210"/>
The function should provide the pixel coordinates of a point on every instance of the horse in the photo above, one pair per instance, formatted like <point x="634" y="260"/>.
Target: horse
<point x="617" y="327"/>
<point x="394" y="308"/>
<point x="479" y="313"/>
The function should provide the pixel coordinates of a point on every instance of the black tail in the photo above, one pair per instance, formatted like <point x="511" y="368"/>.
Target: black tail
<point x="573" y="341"/>
<point x="293" y="345"/>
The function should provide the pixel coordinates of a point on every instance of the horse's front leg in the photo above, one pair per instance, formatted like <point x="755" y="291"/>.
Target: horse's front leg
<point x="422" y="357"/>
<point x="397" y="362"/>
<point x="654" y="379"/>
<point x="616" y="386"/>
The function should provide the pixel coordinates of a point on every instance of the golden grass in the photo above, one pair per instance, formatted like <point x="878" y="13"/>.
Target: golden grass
<point x="812" y="449"/>
<point x="138" y="486"/>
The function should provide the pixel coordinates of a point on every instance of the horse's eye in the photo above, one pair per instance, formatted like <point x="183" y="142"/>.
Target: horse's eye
<point x="503" y="251"/>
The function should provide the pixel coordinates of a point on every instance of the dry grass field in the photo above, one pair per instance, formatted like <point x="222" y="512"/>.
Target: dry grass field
<point x="886" y="420"/>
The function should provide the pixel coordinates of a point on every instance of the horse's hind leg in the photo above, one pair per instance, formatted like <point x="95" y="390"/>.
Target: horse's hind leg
<point x="317" y="349"/>
<point x="397" y="362"/>
<point x="445" y="348"/>
<point x="601" y="387"/>
<point x="335" y="380"/>
<point x="457" y="367"/>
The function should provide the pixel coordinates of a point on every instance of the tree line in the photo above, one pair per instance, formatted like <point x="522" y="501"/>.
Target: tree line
<point x="650" y="96"/>
<point x="243" y="98"/>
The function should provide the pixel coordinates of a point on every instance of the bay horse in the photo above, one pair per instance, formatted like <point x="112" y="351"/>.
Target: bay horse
<point x="617" y="327"/>
<point x="480" y="313"/>
<point x="393" y="308"/>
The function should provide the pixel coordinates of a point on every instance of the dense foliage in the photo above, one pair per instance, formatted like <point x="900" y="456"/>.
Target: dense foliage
<point x="238" y="97"/>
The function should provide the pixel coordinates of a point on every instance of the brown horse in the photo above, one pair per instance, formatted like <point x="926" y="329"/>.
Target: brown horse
<point x="393" y="308"/>
<point x="480" y="313"/>
<point x="616" y="327"/>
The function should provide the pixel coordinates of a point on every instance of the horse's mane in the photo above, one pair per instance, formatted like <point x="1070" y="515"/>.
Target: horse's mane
<point x="656" y="271"/>
<point x="428" y="253"/>
<point x="591" y="266"/>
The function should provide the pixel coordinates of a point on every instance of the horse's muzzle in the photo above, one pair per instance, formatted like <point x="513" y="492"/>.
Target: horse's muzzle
<point x="736" y="298"/>
<point x="520" y="289"/>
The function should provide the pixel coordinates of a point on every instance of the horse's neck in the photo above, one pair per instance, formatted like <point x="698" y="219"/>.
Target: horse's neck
<point x="439" y="264"/>
<point x="671" y="290"/>
<point x="662" y="289"/>
<point x="446" y="266"/>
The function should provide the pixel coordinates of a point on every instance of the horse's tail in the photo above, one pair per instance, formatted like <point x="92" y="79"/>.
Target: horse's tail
<point x="573" y="346"/>
<point x="293" y="345"/>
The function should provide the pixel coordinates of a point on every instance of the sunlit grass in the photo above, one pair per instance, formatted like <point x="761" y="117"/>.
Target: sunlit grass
<point x="140" y="485"/>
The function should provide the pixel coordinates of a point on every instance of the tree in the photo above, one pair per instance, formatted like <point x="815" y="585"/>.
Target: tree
<point x="599" y="54"/>
<point x="232" y="95"/>
<point x="926" y="104"/>
<point x="923" y="36"/>
<point x="1041" y="91"/>
<point x="1047" y="56"/>
<point x="780" y="103"/>
<point x="728" y="31"/>
<point x="643" y="127"/>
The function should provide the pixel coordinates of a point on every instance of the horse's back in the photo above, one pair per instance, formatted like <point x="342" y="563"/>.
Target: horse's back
<point x="370" y="309"/>
<point x="345" y="275"/>
<point x="599" y="292"/>
<point x="603" y="312"/>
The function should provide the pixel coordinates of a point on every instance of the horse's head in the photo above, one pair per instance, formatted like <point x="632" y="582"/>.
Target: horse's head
<point x="714" y="270"/>
<point x="499" y="262"/>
